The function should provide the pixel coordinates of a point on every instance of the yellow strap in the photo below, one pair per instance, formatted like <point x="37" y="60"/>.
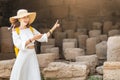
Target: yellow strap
<point x="31" y="29"/>
<point x="16" y="50"/>
<point x="17" y="30"/>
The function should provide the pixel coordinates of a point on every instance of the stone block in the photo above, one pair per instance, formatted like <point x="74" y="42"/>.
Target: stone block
<point x="50" y="42"/>
<point x="44" y="47"/>
<point x="94" y="33"/>
<point x="113" y="48"/>
<point x="82" y="31"/>
<point x="97" y="25"/>
<point x="71" y="40"/>
<point x="99" y="70"/>
<point x="101" y="50"/>
<point x="45" y="59"/>
<point x="6" y="40"/>
<point x="72" y="53"/>
<point x="7" y="46"/>
<point x="113" y="32"/>
<point x="53" y="50"/>
<point x="92" y="60"/>
<point x="63" y="70"/>
<point x="107" y="26"/>
<point x="68" y="45"/>
<point x="6" y="67"/>
<point x="103" y="37"/>
<point x="111" y="71"/>
<point x="70" y="33"/>
<point x="91" y="45"/>
<point x="82" y="41"/>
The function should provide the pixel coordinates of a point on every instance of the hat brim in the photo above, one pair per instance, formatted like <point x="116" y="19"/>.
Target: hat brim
<point x="32" y="16"/>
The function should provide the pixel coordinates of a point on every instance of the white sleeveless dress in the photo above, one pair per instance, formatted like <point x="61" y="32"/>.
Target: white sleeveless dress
<point x="26" y="66"/>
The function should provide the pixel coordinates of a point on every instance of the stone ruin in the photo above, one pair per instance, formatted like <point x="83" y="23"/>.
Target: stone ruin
<point x="73" y="56"/>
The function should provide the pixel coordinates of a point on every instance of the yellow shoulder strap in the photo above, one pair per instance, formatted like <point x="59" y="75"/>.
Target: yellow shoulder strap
<point x="17" y="30"/>
<point x="31" y="29"/>
<point x="15" y="48"/>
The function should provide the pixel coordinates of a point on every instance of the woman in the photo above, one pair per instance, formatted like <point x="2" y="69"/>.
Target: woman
<point x="26" y="65"/>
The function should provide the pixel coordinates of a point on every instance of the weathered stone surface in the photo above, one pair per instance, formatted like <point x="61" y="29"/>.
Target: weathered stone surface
<point x="116" y="25"/>
<point x="71" y="40"/>
<point x="68" y="45"/>
<point x="82" y="41"/>
<point x="101" y="61"/>
<point x="77" y="78"/>
<point x="44" y="47"/>
<point x="46" y="58"/>
<point x="111" y="71"/>
<point x="99" y="69"/>
<point x="101" y="50"/>
<point x="68" y="24"/>
<point x="113" y="32"/>
<point x="56" y="12"/>
<point x="1" y="18"/>
<point x="53" y="70"/>
<point x="70" y="33"/>
<point x="94" y="33"/>
<point x="76" y="34"/>
<point x="82" y="31"/>
<point x="6" y="40"/>
<point x="91" y="44"/>
<point x="107" y="26"/>
<point x="54" y="2"/>
<point x="103" y="37"/>
<point x="92" y="60"/>
<point x="53" y="50"/>
<point x="63" y="70"/>
<point x="6" y="67"/>
<point x="81" y="63"/>
<point x="4" y="79"/>
<point x="72" y="53"/>
<point x="113" y="48"/>
<point x="7" y="56"/>
<point x="97" y="25"/>
<point x="5" y="34"/>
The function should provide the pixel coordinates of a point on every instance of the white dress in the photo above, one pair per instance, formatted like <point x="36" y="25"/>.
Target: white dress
<point x="26" y="66"/>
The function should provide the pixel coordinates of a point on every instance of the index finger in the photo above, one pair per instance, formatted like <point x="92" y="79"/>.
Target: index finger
<point x="57" y="21"/>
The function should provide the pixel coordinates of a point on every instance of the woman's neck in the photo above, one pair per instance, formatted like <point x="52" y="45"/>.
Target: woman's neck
<point x="22" y="27"/>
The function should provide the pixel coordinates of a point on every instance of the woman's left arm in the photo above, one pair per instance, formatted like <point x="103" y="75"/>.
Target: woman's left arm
<point x="44" y="37"/>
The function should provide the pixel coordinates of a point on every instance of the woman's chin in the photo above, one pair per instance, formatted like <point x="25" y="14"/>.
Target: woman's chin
<point x="26" y="24"/>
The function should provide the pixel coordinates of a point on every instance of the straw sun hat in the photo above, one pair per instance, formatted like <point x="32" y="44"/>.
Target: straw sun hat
<point x="22" y="13"/>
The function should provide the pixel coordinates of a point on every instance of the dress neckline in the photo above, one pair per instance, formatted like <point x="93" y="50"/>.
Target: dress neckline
<point x="24" y="29"/>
